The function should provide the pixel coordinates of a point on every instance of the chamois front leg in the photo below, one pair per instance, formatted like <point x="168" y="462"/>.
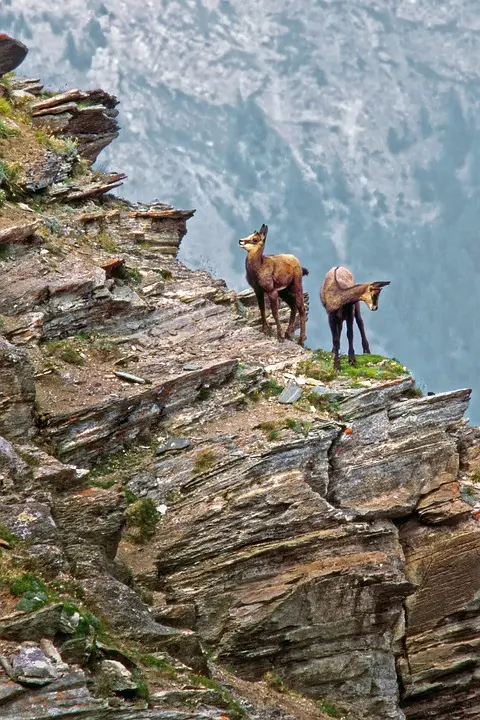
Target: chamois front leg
<point x="361" y="327"/>
<point x="303" y="317"/>
<point x="261" y="306"/>
<point x="335" y="328"/>
<point x="351" y="349"/>
<point x="273" y="297"/>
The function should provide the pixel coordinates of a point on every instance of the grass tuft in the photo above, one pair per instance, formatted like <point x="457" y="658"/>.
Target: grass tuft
<point x="275" y="682"/>
<point x="204" y="461"/>
<point x="142" y="518"/>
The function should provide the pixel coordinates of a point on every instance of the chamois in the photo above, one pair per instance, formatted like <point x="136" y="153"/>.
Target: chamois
<point x="278" y="276"/>
<point x="341" y="297"/>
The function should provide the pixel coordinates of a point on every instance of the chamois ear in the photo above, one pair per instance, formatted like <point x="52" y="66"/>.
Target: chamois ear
<point x="263" y="230"/>
<point x="379" y="285"/>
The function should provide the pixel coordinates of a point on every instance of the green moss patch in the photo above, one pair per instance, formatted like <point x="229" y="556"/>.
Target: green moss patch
<point x="368" y="367"/>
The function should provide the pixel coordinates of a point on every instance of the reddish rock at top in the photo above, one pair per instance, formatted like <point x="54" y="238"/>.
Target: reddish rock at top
<point x="12" y="53"/>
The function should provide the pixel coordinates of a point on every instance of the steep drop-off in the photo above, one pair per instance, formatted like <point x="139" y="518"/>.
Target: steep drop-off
<point x="166" y="516"/>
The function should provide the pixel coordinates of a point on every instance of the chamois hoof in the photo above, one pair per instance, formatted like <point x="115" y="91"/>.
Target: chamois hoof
<point x="352" y="361"/>
<point x="366" y="351"/>
<point x="301" y="341"/>
<point x="281" y="338"/>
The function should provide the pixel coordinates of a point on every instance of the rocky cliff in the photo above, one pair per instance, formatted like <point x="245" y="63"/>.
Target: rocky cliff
<point x="197" y="521"/>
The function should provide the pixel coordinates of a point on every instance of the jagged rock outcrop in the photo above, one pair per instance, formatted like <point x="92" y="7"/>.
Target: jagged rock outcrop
<point x="89" y="117"/>
<point x="162" y="511"/>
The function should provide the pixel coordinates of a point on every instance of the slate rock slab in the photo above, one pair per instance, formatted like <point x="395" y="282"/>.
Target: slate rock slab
<point x="290" y="394"/>
<point x="12" y="53"/>
<point x="172" y="444"/>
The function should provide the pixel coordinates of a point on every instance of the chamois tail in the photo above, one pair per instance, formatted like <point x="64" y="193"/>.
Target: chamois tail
<point x="304" y="271"/>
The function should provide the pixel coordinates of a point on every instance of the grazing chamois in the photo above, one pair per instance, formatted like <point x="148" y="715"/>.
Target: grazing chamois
<point x="277" y="276"/>
<point x="341" y="297"/>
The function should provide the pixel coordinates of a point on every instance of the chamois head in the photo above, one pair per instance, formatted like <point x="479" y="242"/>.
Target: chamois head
<point x="255" y="240"/>
<point x="372" y="294"/>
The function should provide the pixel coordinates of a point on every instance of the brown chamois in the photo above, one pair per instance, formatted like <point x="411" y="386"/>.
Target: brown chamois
<point x="341" y="297"/>
<point x="278" y="276"/>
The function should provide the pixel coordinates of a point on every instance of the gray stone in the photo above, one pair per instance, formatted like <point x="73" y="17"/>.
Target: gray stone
<point x="32" y="666"/>
<point x="173" y="443"/>
<point x="116" y="677"/>
<point x="34" y="626"/>
<point x="192" y="366"/>
<point x="290" y="394"/>
<point x="12" y="53"/>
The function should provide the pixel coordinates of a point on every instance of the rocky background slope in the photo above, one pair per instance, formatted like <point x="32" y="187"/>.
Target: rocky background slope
<point x="197" y="521"/>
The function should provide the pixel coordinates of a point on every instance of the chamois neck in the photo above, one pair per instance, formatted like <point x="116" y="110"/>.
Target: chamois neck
<point x="345" y="296"/>
<point x="255" y="256"/>
<point x="352" y="294"/>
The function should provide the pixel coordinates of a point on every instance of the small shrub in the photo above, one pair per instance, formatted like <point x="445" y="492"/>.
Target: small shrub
<point x="3" y="197"/>
<point x="129" y="496"/>
<point x="275" y="682"/>
<point x="240" y="308"/>
<point x="323" y="403"/>
<point x="273" y="434"/>
<point x="26" y="583"/>
<point x="299" y="426"/>
<point x="468" y="494"/>
<point x="166" y="274"/>
<point x="5" y="107"/>
<point x="142" y="515"/>
<point x="104" y="484"/>
<point x="143" y="692"/>
<point x="204" y="461"/>
<point x="64" y="350"/>
<point x="6" y="132"/>
<point x="132" y="276"/>
<point x="52" y="224"/>
<point x="271" y="388"/>
<point x="267" y="425"/>
<point x="166" y="667"/>
<point x="32" y="600"/>
<point x="106" y="242"/>
<point x="328" y="708"/>
<point x="414" y="392"/>
<point x="204" y="393"/>
<point x="320" y="367"/>
<point x="232" y="706"/>
<point x="56" y="145"/>
<point x="5" y="533"/>
<point x="87" y="623"/>
<point x="9" y="175"/>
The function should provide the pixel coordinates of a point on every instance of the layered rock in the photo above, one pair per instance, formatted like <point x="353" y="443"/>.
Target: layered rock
<point x="89" y="117"/>
<point x="326" y="539"/>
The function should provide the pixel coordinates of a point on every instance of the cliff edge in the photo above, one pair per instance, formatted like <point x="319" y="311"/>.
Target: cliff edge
<point x="198" y="521"/>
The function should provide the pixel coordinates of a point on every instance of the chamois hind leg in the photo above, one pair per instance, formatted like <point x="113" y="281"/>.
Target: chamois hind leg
<point x="349" y="319"/>
<point x="336" y="329"/>
<point x="273" y="296"/>
<point x="287" y="297"/>
<point x="361" y="327"/>
<point x="261" y="306"/>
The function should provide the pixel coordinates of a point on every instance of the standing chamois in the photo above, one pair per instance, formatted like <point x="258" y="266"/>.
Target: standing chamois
<point x="278" y="276"/>
<point x="341" y="299"/>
